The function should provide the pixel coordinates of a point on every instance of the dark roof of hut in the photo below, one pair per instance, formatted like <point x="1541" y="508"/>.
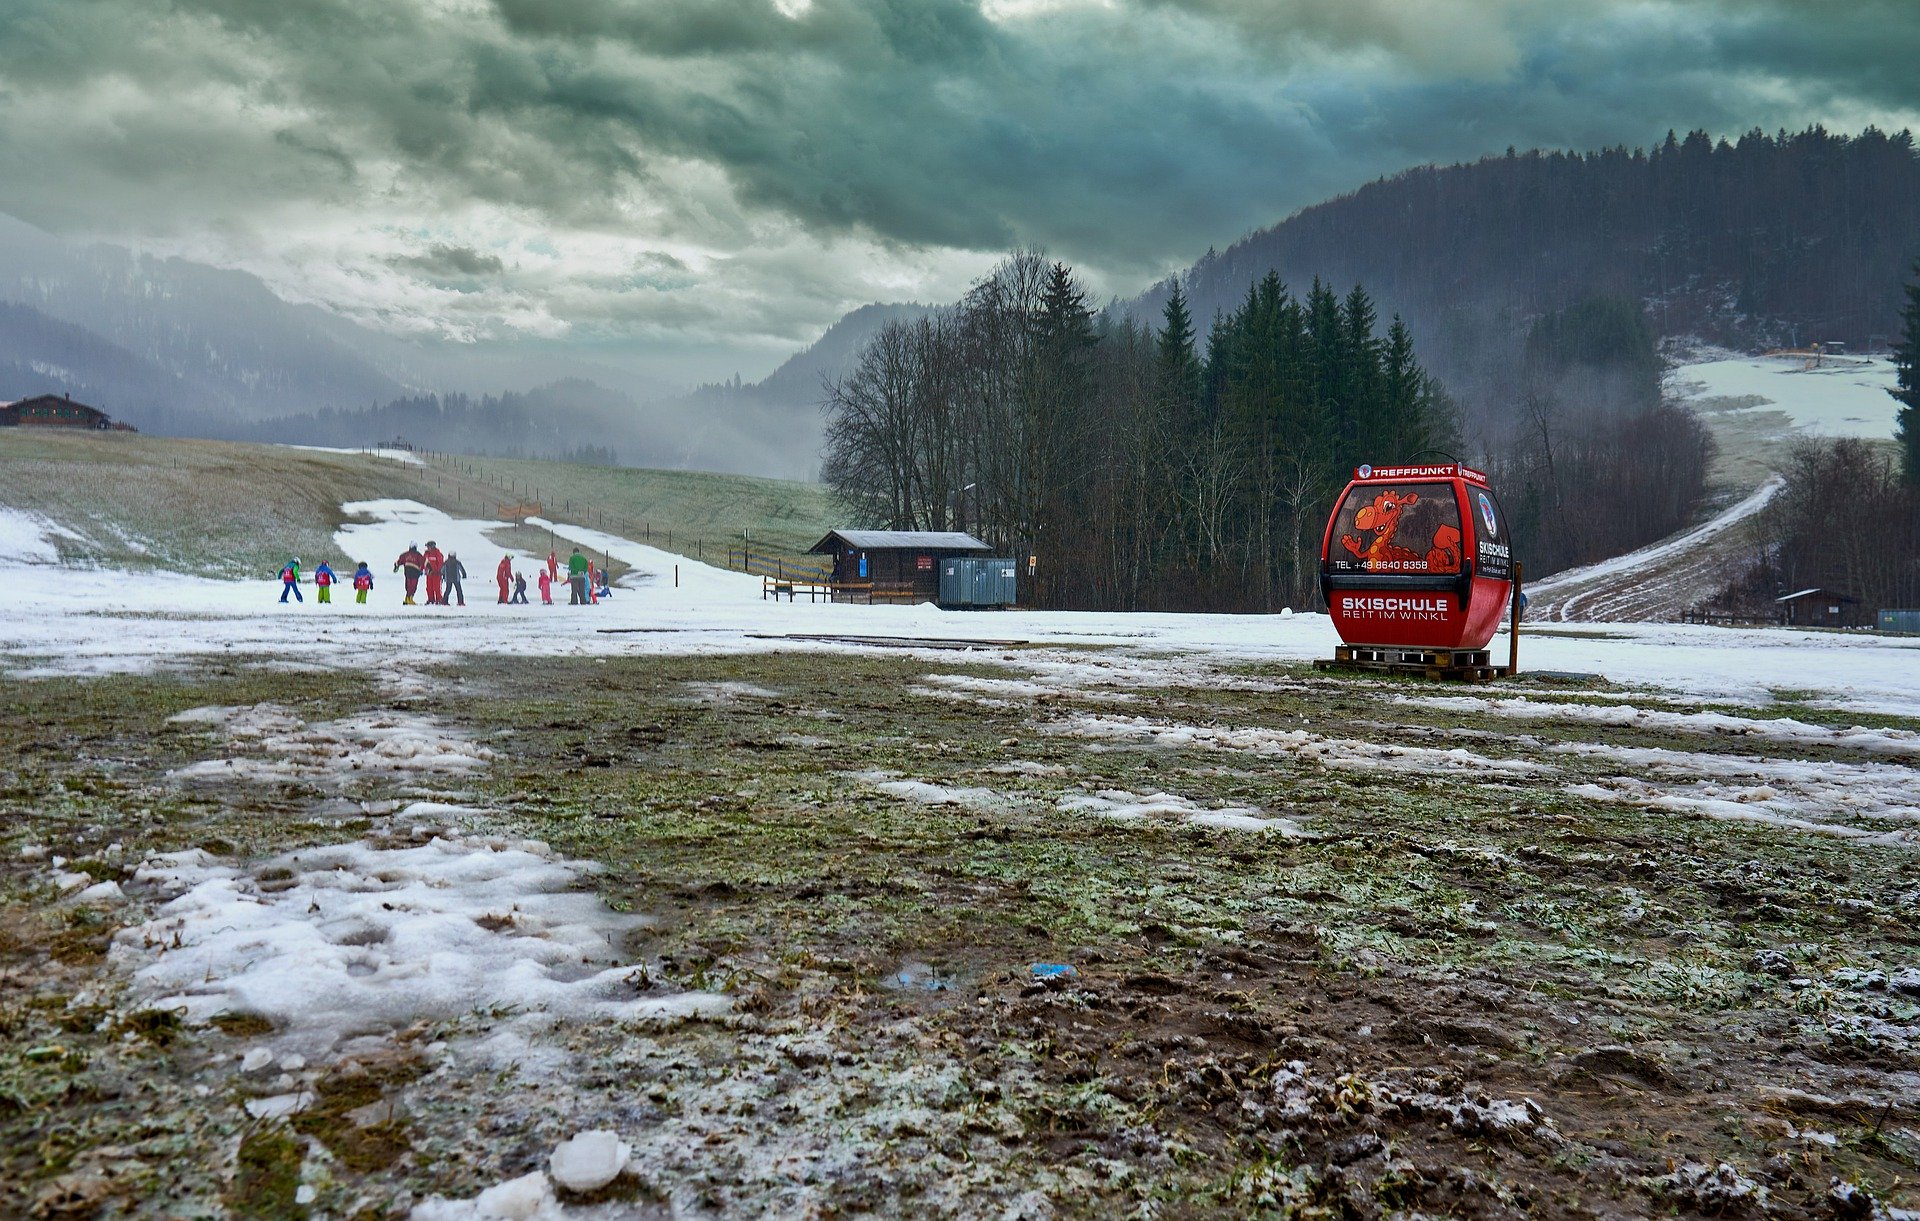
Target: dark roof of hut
<point x="899" y="540"/>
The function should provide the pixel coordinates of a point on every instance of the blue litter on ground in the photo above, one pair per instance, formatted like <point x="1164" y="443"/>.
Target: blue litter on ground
<point x="1052" y="970"/>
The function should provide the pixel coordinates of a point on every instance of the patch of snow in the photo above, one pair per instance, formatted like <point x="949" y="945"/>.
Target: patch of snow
<point x="335" y="942"/>
<point x="27" y="538"/>
<point x="1903" y="742"/>
<point x="926" y="793"/>
<point x="588" y="1161"/>
<point x="1728" y="809"/>
<point x="1301" y="744"/>
<point x="1554" y="597"/>
<point x="527" y="1198"/>
<point x="406" y="456"/>
<point x="279" y="745"/>
<point x="1133" y="807"/>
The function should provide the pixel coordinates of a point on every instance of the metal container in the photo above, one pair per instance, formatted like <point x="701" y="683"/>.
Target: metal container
<point x="972" y="583"/>
<point x="1899" y="621"/>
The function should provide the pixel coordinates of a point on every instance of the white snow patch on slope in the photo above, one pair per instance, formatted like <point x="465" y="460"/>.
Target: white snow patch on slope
<point x="391" y="525"/>
<point x="392" y="455"/>
<point x="27" y="538"/>
<point x="1124" y="806"/>
<point x="1845" y="397"/>
<point x="1301" y="744"/>
<point x="1901" y="742"/>
<point x="352" y="939"/>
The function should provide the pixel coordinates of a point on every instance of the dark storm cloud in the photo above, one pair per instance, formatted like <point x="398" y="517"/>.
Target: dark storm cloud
<point x="452" y="261"/>
<point x="1127" y="136"/>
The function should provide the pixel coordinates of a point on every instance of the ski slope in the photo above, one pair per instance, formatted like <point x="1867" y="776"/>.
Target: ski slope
<point x="1656" y="582"/>
<point x="1755" y="406"/>
<point x="1843" y="397"/>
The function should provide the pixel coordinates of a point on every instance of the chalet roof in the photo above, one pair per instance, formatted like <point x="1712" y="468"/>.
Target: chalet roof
<point x="58" y="400"/>
<point x="900" y="540"/>
<point x="1807" y="593"/>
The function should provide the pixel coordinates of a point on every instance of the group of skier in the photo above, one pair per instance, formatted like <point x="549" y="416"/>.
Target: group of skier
<point x="323" y="582"/>
<point x="444" y="573"/>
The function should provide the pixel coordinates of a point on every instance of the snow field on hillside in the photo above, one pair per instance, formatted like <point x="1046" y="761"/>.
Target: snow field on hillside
<point x="1844" y="397"/>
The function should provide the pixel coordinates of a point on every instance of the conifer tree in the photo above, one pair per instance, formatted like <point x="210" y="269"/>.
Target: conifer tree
<point x="1179" y="368"/>
<point x="1907" y="389"/>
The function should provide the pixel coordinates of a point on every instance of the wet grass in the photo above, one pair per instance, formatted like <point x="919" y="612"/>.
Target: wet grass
<point x="1496" y="930"/>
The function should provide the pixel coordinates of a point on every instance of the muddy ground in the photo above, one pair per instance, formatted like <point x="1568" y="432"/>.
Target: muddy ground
<point x="1449" y="985"/>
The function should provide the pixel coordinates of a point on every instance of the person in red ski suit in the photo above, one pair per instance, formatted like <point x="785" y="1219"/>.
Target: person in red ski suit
<point x="504" y="574"/>
<point x="546" y="585"/>
<point x="412" y="561"/>
<point x="433" y="560"/>
<point x="593" y="584"/>
<point x="553" y="570"/>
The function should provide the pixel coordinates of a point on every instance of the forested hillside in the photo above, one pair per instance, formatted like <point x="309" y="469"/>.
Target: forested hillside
<point x="1761" y="240"/>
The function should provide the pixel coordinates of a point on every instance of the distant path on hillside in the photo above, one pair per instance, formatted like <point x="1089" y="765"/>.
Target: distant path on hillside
<point x="1656" y="583"/>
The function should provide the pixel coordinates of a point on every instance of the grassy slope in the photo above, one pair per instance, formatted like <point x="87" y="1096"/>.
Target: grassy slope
<point x="226" y="509"/>
<point x="674" y="508"/>
<point x="206" y="507"/>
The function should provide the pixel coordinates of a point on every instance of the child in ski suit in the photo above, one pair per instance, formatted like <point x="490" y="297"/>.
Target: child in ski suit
<point x="546" y="587"/>
<point x="323" y="581"/>
<point x="290" y="581"/>
<point x="362" y="583"/>
<point x="520" y="588"/>
<point x="454" y="573"/>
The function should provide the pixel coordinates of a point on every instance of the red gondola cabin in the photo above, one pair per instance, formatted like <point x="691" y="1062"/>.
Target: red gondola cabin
<point x="1417" y="556"/>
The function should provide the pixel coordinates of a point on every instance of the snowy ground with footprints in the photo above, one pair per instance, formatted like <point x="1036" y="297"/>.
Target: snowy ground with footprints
<point x="692" y="904"/>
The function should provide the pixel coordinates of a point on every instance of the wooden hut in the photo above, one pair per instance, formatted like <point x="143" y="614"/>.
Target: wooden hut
<point x="894" y="565"/>
<point x="1822" y="608"/>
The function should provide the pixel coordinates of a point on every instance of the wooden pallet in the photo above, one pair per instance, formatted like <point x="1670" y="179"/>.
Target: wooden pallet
<point x="1454" y="665"/>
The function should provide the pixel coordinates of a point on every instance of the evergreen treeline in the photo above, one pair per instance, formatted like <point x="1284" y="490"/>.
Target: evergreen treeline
<point x="1138" y="471"/>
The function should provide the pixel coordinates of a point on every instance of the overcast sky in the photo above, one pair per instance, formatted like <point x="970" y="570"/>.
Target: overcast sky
<point x="730" y="176"/>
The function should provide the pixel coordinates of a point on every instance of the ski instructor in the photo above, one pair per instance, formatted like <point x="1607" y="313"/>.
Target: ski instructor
<point x="412" y="562"/>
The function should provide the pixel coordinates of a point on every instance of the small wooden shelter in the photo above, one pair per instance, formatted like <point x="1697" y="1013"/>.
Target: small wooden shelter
<point x="1822" y="608"/>
<point x="898" y="565"/>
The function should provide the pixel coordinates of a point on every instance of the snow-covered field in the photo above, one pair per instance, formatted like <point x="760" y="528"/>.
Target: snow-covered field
<point x="1844" y="396"/>
<point x="81" y="621"/>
